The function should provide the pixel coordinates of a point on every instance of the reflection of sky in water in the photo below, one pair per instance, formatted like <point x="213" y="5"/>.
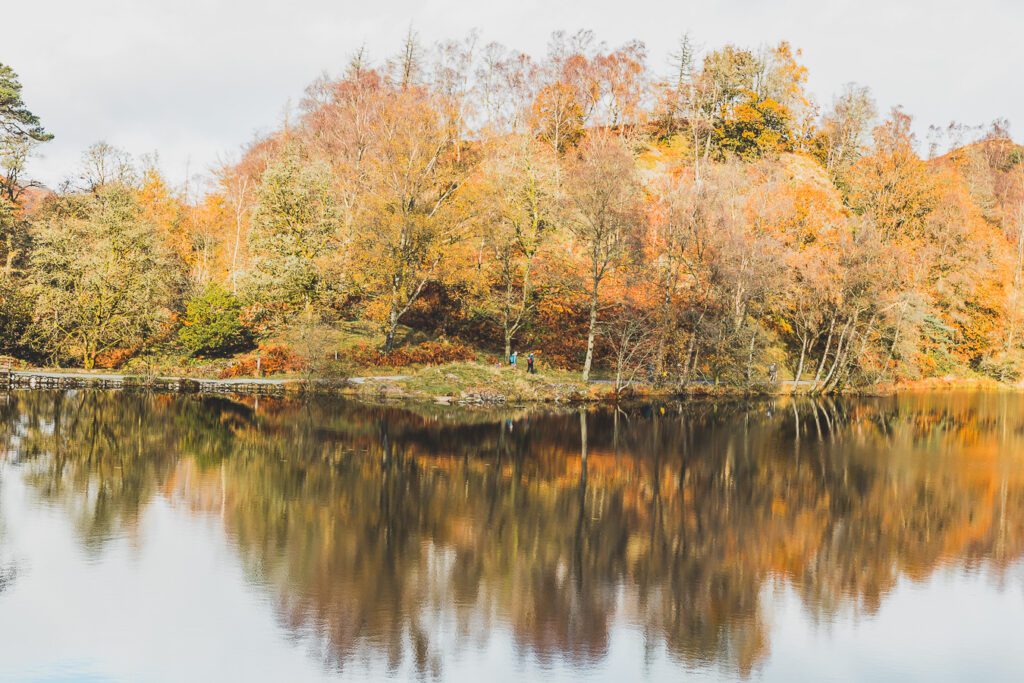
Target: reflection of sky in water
<point x="189" y="589"/>
<point x="172" y="604"/>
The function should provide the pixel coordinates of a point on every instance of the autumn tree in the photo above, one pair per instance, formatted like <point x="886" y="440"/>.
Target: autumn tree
<point x="557" y="117"/>
<point x="293" y="223"/>
<point x="892" y="185"/>
<point x="236" y="192"/>
<point x="686" y="217"/>
<point x="584" y="84"/>
<point x="15" y="317"/>
<point x="762" y="105"/>
<point x="676" y="93"/>
<point x="622" y="81"/>
<point x="506" y="82"/>
<point x="413" y="218"/>
<point x="842" y="135"/>
<point x="166" y="210"/>
<point x="452" y="84"/>
<point x="754" y="126"/>
<point x="603" y="215"/>
<point x="14" y="238"/>
<point x="100" y="276"/>
<point x="744" y="272"/>
<point x="630" y="332"/>
<point x="340" y="129"/>
<point x="104" y="164"/>
<point x="520" y="217"/>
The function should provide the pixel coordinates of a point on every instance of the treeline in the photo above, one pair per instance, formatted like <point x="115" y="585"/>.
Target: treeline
<point x="713" y="223"/>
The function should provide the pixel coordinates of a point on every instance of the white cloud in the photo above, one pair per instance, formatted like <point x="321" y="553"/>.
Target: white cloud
<point x="195" y="79"/>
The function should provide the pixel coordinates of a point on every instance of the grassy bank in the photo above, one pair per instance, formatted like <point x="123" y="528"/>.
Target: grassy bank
<point x="470" y="382"/>
<point x="461" y="382"/>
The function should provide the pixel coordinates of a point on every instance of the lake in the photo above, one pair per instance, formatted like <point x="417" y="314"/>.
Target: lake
<point x="178" y="538"/>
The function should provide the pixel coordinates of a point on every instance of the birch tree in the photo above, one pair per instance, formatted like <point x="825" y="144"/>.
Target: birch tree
<point x="413" y="215"/>
<point x="604" y="218"/>
<point x="521" y="217"/>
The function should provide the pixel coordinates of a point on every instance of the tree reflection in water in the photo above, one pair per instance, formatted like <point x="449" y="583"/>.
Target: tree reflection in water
<point x="378" y="529"/>
<point x="7" y="566"/>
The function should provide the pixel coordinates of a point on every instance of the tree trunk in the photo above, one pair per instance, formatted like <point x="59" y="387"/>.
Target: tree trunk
<point x="506" y="315"/>
<point x="659" y="359"/>
<point x="590" y="335"/>
<point x="840" y="349"/>
<point x="892" y="347"/>
<point x="685" y="379"/>
<point x="389" y="337"/>
<point x="1018" y="277"/>
<point x="239" y="206"/>
<point x="750" y="359"/>
<point x="664" y="326"/>
<point x="800" y="365"/>
<point x="824" y="355"/>
<point x="692" y="350"/>
<point x="848" y="361"/>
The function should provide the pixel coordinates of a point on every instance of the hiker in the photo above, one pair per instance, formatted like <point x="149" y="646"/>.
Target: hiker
<point x="773" y="373"/>
<point x="530" y="368"/>
<point x="513" y="358"/>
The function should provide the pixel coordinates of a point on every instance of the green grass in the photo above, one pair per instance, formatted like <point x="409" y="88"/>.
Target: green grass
<point x="347" y="335"/>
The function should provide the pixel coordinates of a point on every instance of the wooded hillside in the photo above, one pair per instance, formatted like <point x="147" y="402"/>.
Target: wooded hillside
<point x="711" y="224"/>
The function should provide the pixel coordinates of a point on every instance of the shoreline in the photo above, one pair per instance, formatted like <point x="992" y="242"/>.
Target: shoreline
<point x="458" y="391"/>
<point x="53" y="379"/>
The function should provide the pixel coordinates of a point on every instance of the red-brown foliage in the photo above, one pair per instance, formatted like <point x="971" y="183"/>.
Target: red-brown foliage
<point x="427" y="353"/>
<point x="112" y="359"/>
<point x="272" y="360"/>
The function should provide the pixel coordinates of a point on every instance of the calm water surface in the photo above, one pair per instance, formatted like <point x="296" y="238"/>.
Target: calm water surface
<point x="162" y="538"/>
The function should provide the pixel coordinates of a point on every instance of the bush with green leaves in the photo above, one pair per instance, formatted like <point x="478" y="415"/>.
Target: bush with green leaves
<point x="213" y="324"/>
<point x="100" y="274"/>
<point x="15" y="318"/>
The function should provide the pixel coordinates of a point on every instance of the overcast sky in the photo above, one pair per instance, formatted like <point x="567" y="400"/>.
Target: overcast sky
<point x="194" y="80"/>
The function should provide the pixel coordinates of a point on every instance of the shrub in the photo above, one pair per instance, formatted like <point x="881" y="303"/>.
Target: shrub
<point x="213" y="324"/>
<point x="15" y="316"/>
<point x="272" y="360"/>
<point x="427" y="353"/>
<point x="1002" y="367"/>
<point x="312" y="342"/>
<point x="112" y="359"/>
